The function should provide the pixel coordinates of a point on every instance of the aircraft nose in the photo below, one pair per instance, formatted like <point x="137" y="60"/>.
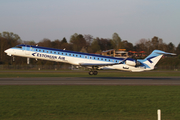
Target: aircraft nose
<point x="6" y="51"/>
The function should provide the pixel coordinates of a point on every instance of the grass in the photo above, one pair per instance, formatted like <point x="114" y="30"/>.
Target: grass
<point x="89" y="102"/>
<point x="85" y="74"/>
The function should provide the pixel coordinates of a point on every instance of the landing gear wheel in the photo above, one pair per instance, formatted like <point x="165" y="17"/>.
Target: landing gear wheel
<point x="90" y="72"/>
<point x="95" y="72"/>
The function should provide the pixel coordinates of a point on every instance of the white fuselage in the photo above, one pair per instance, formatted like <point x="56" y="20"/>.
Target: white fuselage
<point x="74" y="58"/>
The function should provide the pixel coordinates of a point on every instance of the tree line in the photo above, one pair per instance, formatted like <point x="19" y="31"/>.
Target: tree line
<point x="83" y="43"/>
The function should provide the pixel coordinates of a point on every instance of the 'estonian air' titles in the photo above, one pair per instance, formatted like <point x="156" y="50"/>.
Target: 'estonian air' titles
<point x="48" y="56"/>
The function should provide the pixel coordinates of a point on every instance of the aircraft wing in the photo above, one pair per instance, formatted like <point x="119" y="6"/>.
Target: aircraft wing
<point x="101" y="64"/>
<point x="97" y="64"/>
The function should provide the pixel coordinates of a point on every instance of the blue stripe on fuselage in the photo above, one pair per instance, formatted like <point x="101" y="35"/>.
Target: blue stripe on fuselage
<point x="71" y="53"/>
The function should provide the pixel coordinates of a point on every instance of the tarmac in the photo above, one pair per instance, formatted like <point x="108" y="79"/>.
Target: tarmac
<point x="91" y="81"/>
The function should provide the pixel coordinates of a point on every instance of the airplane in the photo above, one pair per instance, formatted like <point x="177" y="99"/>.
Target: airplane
<point x="92" y="61"/>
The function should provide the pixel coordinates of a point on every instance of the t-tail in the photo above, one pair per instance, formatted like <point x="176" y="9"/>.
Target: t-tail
<point x="151" y="60"/>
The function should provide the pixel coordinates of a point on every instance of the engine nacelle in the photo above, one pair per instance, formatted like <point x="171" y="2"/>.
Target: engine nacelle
<point x="130" y="63"/>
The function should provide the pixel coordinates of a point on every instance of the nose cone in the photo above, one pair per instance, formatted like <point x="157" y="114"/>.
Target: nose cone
<point x="8" y="52"/>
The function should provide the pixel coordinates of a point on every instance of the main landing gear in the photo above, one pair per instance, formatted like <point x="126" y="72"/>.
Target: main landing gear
<point x="93" y="72"/>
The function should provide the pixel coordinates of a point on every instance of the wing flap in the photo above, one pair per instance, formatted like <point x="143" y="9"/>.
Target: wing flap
<point x="97" y="64"/>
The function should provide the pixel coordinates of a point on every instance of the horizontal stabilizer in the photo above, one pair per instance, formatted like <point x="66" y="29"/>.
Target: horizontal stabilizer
<point x="164" y="53"/>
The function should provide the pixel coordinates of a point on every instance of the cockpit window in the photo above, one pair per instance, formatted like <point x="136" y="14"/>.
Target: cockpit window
<point x="19" y="47"/>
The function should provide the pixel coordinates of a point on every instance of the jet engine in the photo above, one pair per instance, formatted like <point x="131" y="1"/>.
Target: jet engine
<point x="132" y="63"/>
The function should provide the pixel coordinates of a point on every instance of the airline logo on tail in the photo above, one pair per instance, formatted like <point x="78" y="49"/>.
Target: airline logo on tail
<point x="149" y="59"/>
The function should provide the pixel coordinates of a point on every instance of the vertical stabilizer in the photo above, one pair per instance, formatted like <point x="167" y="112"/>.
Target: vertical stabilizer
<point x="154" y="57"/>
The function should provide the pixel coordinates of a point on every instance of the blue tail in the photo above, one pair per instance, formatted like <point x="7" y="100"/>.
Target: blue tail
<point x="151" y="60"/>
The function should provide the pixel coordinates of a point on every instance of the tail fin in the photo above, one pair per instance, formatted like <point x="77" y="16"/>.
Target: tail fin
<point x="154" y="57"/>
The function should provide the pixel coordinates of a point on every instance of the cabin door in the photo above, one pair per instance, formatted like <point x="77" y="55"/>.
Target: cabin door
<point x="27" y="50"/>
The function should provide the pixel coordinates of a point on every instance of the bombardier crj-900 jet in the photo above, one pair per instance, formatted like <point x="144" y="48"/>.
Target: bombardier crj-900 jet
<point x="91" y="61"/>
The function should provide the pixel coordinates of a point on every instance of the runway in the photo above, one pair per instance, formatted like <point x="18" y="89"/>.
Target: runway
<point x="92" y="81"/>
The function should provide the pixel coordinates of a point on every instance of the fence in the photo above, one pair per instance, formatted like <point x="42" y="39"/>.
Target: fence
<point x="65" y="67"/>
<point x="36" y="67"/>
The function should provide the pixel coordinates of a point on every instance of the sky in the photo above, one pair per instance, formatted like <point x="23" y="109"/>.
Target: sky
<point x="132" y="20"/>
